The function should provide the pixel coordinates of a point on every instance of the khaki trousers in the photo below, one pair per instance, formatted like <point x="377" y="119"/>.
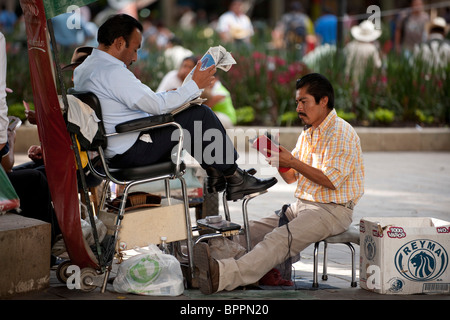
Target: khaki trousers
<point x="309" y="222"/>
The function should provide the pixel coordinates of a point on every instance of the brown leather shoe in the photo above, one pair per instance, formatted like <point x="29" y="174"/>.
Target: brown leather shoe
<point x="209" y="269"/>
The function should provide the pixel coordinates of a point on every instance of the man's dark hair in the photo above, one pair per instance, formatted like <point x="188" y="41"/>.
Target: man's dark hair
<point x="318" y="86"/>
<point x="120" y="25"/>
<point x="194" y="59"/>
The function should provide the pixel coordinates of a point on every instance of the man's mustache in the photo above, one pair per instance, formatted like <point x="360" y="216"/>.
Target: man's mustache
<point x="302" y="114"/>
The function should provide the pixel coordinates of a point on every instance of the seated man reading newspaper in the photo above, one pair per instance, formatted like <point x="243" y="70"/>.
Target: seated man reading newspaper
<point x="123" y="97"/>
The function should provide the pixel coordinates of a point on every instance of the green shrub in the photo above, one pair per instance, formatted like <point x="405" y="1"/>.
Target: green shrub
<point x="347" y="116"/>
<point x="245" y="115"/>
<point x="18" y="110"/>
<point x="382" y="116"/>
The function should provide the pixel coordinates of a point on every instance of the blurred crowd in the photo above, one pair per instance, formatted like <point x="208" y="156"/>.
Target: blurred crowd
<point x="408" y="28"/>
<point x="413" y="31"/>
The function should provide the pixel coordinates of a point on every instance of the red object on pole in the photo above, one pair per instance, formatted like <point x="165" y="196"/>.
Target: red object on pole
<point x="59" y="157"/>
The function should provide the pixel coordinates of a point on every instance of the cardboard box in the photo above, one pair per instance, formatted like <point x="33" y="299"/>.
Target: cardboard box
<point x="404" y="255"/>
<point x="139" y="228"/>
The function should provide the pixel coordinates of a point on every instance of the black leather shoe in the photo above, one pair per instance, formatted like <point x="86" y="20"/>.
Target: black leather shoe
<point x="241" y="183"/>
<point x="215" y="181"/>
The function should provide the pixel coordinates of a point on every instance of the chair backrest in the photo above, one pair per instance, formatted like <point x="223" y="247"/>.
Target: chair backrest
<point x="92" y="101"/>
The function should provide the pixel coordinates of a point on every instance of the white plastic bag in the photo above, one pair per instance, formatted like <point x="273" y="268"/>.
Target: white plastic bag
<point x="150" y="273"/>
<point x="88" y="233"/>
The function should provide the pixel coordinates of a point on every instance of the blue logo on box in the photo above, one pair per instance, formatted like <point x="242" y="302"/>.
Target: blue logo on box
<point x="370" y="248"/>
<point x="421" y="260"/>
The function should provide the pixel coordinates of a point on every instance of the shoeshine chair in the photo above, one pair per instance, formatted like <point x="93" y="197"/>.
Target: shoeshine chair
<point x="129" y="177"/>
<point x="348" y="237"/>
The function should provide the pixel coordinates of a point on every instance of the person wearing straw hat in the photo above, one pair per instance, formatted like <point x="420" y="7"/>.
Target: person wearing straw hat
<point x="234" y="26"/>
<point x="79" y="55"/>
<point x="362" y="50"/>
<point x="436" y="50"/>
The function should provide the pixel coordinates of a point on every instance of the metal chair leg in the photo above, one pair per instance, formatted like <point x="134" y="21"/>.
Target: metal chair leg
<point x="190" y="244"/>
<point x="352" y="249"/>
<point x="246" y="223"/>
<point x="246" y="199"/>
<point x="226" y="209"/>
<point x="105" y="280"/>
<point x="325" y="259"/>
<point x="316" y="264"/>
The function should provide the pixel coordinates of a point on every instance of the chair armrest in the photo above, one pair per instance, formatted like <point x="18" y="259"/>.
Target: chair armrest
<point x="144" y="123"/>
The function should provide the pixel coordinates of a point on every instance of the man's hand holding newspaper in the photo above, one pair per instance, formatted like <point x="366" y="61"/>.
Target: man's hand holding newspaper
<point x="218" y="56"/>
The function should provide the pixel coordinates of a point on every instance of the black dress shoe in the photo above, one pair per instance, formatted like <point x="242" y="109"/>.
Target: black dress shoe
<point x="241" y="183"/>
<point x="215" y="181"/>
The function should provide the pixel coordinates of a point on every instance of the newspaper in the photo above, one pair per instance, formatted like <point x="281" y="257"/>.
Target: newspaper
<point x="218" y="56"/>
<point x="186" y="105"/>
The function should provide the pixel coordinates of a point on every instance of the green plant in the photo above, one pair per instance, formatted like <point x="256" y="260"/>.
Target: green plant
<point x="423" y="118"/>
<point x="245" y="115"/>
<point x="265" y="82"/>
<point x="382" y="116"/>
<point x="347" y="116"/>
<point x="289" y="118"/>
<point x="18" y="110"/>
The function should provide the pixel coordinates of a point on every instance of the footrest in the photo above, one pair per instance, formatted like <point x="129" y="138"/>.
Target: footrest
<point x="222" y="226"/>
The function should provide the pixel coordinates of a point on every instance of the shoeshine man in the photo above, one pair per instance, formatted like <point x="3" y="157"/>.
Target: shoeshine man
<point x="123" y="97"/>
<point x="327" y="166"/>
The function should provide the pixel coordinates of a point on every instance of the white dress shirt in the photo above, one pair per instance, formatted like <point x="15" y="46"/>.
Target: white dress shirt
<point x="123" y="97"/>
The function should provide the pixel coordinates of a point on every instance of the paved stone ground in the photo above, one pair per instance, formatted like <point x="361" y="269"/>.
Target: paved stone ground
<point x="398" y="184"/>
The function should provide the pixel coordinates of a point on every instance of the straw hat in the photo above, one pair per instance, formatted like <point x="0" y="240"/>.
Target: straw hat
<point x="438" y="22"/>
<point x="365" y="32"/>
<point x="79" y="55"/>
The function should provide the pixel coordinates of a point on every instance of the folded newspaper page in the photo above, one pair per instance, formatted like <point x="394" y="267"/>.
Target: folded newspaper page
<point x="218" y="56"/>
<point x="186" y="105"/>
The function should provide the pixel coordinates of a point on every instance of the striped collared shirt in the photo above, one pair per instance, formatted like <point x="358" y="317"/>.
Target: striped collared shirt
<point x="334" y="148"/>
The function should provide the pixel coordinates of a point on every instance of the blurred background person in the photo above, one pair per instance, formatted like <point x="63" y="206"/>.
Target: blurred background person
<point x="411" y="27"/>
<point x="174" y="79"/>
<point x="325" y="28"/>
<point x="293" y="28"/>
<point x="219" y="100"/>
<point x="362" y="51"/>
<point x="234" y="26"/>
<point x="435" y="51"/>
<point x="68" y="34"/>
<point x="175" y="53"/>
